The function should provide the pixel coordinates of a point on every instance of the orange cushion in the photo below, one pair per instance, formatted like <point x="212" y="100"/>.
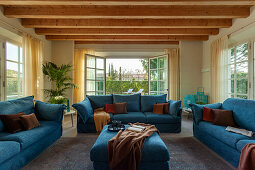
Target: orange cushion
<point x="208" y="114"/>
<point x="109" y="108"/>
<point x="158" y="108"/>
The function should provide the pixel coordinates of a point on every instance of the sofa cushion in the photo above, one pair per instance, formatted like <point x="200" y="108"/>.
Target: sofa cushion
<point x="175" y="107"/>
<point x="197" y="110"/>
<point x="133" y="101"/>
<point x="148" y="101"/>
<point x="161" y="119"/>
<point x="243" y="111"/>
<point x="84" y="109"/>
<point x="100" y="100"/>
<point x="27" y="138"/>
<point x="223" y="117"/>
<point x="25" y="104"/>
<point x="241" y="143"/>
<point x="8" y="149"/>
<point x="221" y="134"/>
<point x="131" y="117"/>
<point x="154" y="149"/>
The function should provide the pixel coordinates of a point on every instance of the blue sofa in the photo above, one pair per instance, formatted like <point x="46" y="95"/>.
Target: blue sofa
<point x="228" y="145"/>
<point x="139" y="110"/>
<point x="18" y="149"/>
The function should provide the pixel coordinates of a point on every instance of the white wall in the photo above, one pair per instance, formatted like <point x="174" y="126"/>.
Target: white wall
<point x="191" y="53"/>
<point x="239" y="26"/>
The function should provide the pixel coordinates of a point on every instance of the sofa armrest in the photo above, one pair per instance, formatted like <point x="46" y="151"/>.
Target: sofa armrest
<point x="49" y="112"/>
<point x="175" y="107"/>
<point x="84" y="109"/>
<point x="197" y="110"/>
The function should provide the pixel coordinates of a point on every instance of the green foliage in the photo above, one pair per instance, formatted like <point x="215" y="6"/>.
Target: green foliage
<point x="145" y="63"/>
<point x="59" y="76"/>
<point x="118" y="87"/>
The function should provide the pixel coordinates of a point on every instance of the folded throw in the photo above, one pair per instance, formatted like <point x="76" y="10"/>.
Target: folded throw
<point x="101" y="118"/>
<point x="247" y="159"/>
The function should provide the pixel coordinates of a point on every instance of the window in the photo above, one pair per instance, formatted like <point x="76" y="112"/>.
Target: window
<point x="238" y="71"/>
<point x="95" y="75"/>
<point x="14" y="74"/>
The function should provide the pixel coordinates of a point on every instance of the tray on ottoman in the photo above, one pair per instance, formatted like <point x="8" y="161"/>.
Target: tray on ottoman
<point x="155" y="155"/>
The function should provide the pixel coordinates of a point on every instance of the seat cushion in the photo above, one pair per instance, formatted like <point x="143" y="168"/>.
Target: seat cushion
<point x="8" y="149"/>
<point x="221" y="134"/>
<point x="98" y="101"/>
<point x="133" y="101"/>
<point x="27" y="138"/>
<point x="148" y="101"/>
<point x="154" y="149"/>
<point x="161" y="119"/>
<point x="241" y="143"/>
<point x="25" y="104"/>
<point x="131" y="117"/>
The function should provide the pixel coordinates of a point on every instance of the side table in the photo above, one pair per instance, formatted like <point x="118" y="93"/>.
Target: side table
<point x="70" y="113"/>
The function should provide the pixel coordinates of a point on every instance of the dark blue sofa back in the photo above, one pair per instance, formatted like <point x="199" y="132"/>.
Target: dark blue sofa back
<point x="243" y="110"/>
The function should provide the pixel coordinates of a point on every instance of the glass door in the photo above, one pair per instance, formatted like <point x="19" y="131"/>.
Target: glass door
<point x="158" y="75"/>
<point x="94" y="75"/>
<point x="2" y="66"/>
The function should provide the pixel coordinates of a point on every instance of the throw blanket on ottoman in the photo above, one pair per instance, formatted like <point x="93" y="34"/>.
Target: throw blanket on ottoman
<point x="247" y="159"/>
<point x="124" y="149"/>
<point x="101" y="118"/>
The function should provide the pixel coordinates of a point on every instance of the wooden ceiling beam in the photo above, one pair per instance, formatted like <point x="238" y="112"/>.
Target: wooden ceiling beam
<point x="127" y="31"/>
<point x="127" y="42"/>
<point x="128" y="37"/>
<point x="127" y="23"/>
<point x="120" y="12"/>
<point x="127" y="2"/>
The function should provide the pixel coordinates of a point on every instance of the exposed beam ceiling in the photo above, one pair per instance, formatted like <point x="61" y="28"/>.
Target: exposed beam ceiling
<point x="139" y="12"/>
<point x="127" y="37"/>
<point x="127" y="2"/>
<point x="127" y="23"/>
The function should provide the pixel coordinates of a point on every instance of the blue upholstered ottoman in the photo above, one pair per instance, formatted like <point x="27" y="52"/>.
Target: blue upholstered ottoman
<point x="155" y="155"/>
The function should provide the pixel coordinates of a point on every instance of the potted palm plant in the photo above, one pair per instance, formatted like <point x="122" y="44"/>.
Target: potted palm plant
<point x="61" y="80"/>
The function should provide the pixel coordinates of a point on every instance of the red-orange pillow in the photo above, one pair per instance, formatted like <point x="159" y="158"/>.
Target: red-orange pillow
<point x="158" y="108"/>
<point x="208" y="114"/>
<point x="12" y="122"/>
<point x="109" y="108"/>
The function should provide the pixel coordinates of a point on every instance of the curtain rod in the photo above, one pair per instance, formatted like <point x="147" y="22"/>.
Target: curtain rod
<point x="229" y="35"/>
<point x="9" y="25"/>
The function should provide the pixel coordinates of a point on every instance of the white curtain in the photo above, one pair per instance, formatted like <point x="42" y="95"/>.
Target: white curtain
<point x="219" y="70"/>
<point x="33" y="56"/>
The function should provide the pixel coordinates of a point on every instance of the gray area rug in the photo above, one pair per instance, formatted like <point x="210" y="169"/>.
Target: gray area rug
<point x="186" y="153"/>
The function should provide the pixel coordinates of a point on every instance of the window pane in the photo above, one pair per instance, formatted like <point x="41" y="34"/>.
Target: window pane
<point x="91" y="62"/>
<point x="100" y="75"/>
<point x="163" y="74"/>
<point x="90" y="93"/>
<point x="99" y="93"/>
<point x="153" y="86"/>
<point x="242" y="86"/>
<point x="242" y="96"/>
<point x="242" y="52"/>
<point x="162" y="86"/>
<point x="12" y="52"/>
<point x="21" y="55"/>
<point x="232" y="86"/>
<point x="90" y="85"/>
<point x="232" y="71"/>
<point x="91" y="73"/>
<point x="153" y="93"/>
<point x="100" y="63"/>
<point x="21" y="68"/>
<point x="242" y="70"/>
<point x="232" y="56"/>
<point x="153" y="63"/>
<point x="162" y="62"/>
<point x="12" y="86"/>
<point x="12" y="69"/>
<point x="99" y="86"/>
<point x="153" y="74"/>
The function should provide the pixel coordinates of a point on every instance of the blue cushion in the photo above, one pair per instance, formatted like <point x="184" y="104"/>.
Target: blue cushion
<point x="25" y="104"/>
<point x="84" y="109"/>
<point x="175" y="107"/>
<point x="154" y="149"/>
<point x="131" y="117"/>
<point x="133" y="101"/>
<point x="241" y="143"/>
<point x="221" y="134"/>
<point x="197" y="110"/>
<point x="27" y="138"/>
<point x="161" y="118"/>
<point x="147" y="102"/>
<point x="243" y="111"/>
<point x="50" y="112"/>
<point x="100" y="100"/>
<point x="8" y="149"/>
